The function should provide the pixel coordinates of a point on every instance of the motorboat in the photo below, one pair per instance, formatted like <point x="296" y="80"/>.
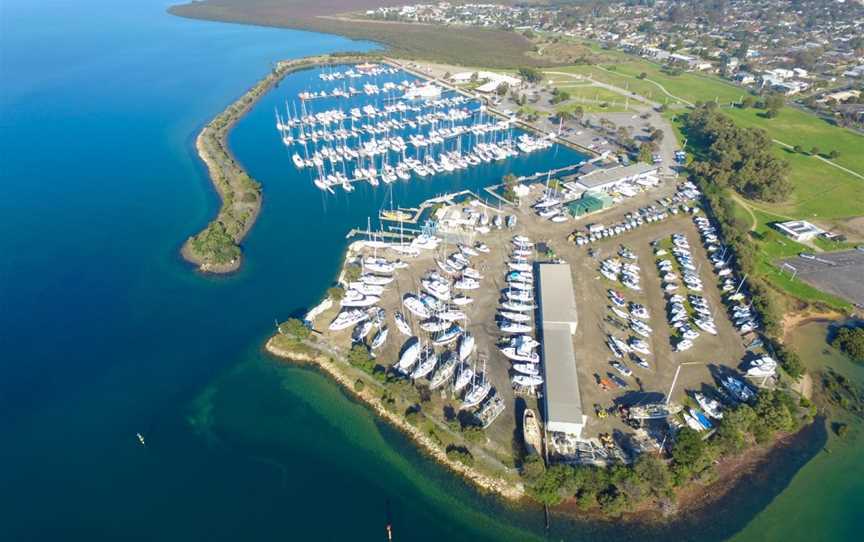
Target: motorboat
<point x="348" y="318"/>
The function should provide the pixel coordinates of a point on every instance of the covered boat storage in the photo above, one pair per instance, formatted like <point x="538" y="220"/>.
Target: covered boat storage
<point x="558" y="319"/>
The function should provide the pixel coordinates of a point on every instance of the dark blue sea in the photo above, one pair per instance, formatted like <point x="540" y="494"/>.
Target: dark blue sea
<point x="105" y="332"/>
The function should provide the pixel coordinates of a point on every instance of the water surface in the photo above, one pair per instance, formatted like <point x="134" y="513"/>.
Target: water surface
<point x="105" y="332"/>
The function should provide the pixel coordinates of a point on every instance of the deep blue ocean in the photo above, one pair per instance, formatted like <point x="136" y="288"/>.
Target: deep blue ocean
<point x="105" y="332"/>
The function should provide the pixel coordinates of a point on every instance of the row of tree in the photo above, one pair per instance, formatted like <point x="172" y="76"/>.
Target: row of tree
<point x="735" y="157"/>
<point x="619" y="488"/>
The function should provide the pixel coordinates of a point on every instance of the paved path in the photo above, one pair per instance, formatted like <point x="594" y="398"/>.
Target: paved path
<point x="829" y="162"/>
<point x="655" y="83"/>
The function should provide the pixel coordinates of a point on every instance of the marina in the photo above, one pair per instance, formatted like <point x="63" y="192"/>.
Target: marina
<point x="385" y="125"/>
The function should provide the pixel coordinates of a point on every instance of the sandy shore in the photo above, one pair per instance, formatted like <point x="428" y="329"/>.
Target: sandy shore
<point x="513" y="492"/>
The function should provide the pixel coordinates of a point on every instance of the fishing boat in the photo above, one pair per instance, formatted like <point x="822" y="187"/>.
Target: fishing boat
<point x="409" y="356"/>
<point x="531" y="433"/>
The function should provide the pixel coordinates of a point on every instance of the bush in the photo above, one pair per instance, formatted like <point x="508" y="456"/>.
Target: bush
<point x="460" y="454"/>
<point x="359" y="385"/>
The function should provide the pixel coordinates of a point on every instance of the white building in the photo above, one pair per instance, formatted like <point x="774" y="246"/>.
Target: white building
<point x="799" y="230"/>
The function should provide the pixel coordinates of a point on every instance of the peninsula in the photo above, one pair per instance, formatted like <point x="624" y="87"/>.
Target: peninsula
<point x="216" y="248"/>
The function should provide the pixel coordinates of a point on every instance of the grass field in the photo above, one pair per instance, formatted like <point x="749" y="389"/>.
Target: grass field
<point x="591" y="99"/>
<point x="796" y="127"/>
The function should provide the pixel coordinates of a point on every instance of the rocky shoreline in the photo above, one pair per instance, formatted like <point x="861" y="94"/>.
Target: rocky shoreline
<point x="512" y="492"/>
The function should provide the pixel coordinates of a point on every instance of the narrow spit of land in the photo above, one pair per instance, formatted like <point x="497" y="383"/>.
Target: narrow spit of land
<point x="216" y="248"/>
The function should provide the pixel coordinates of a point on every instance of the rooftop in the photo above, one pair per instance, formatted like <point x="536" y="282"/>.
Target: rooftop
<point x="602" y="177"/>
<point x="561" y="384"/>
<point x="557" y="304"/>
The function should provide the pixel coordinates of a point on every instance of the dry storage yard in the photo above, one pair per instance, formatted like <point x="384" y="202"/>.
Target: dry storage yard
<point x="696" y="369"/>
<point x="841" y="273"/>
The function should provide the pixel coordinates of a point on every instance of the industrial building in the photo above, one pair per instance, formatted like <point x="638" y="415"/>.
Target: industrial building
<point x="558" y="321"/>
<point x="611" y="179"/>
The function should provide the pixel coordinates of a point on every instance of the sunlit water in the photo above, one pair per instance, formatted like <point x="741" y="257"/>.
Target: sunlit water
<point x="105" y="332"/>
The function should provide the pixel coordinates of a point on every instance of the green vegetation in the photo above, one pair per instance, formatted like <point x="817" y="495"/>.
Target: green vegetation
<point x="619" y="488"/>
<point x="850" y="341"/>
<point x="740" y="158"/>
<point x="359" y="357"/>
<point x="460" y="454"/>
<point x="292" y="337"/>
<point x="532" y="75"/>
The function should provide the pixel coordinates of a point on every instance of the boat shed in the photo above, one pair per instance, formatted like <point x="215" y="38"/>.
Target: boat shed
<point x="562" y="399"/>
<point x="607" y="179"/>
<point x="590" y="202"/>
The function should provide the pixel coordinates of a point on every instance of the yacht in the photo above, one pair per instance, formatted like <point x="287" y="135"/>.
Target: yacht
<point x="348" y="318"/>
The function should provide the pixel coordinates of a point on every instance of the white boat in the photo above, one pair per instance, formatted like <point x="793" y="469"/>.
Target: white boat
<point x="527" y="368"/>
<point x="452" y="315"/>
<point x="464" y="377"/>
<point x="466" y="283"/>
<point x="427" y="362"/>
<point x="527" y="381"/>
<point x="461" y="300"/>
<point x="417" y="307"/>
<point x="514" y="327"/>
<point x="402" y="324"/>
<point x="361" y="330"/>
<point x="380" y="338"/>
<point x="409" y="355"/>
<point x="353" y="298"/>
<point x="517" y="307"/>
<point x="444" y="373"/>
<point x="433" y="326"/>
<point x="515" y="316"/>
<point x="348" y="318"/>
<point x="477" y="393"/>
<point x="711" y="407"/>
<point x="448" y="335"/>
<point x="466" y="346"/>
<point x="518" y="354"/>
<point x="762" y="367"/>
<point x="378" y="280"/>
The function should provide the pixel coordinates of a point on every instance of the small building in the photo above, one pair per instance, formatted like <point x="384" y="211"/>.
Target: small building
<point x="558" y="319"/>
<point x="590" y="202"/>
<point x="799" y="230"/>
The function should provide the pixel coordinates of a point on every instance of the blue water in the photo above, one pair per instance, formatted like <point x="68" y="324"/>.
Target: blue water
<point x="105" y="332"/>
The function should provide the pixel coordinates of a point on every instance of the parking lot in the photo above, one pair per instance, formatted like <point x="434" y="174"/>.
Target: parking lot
<point x="839" y="273"/>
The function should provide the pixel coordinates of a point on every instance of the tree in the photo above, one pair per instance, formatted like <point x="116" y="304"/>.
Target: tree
<point x="747" y="102"/>
<point x="834" y="154"/>
<point x="352" y="273"/>
<point x="642" y="75"/>
<point x="814" y="151"/>
<point x="335" y="293"/>
<point x="798" y="149"/>
<point x="646" y="152"/>
<point x="501" y="89"/>
<point x="657" y="135"/>
<point x="294" y="328"/>
<point x="532" y="75"/>
<point x="850" y="341"/>
<point x="359" y="357"/>
<point x="654" y="472"/>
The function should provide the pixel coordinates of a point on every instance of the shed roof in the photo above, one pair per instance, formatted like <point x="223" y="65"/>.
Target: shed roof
<point x="557" y="302"/>
<point x="561" y="383"/>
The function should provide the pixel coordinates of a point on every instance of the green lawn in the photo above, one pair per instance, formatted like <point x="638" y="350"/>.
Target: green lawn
<point x="796" y="127"/>
<point x="591" y="98"/>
